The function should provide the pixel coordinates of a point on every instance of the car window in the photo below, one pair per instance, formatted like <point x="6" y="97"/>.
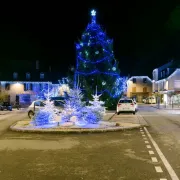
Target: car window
<point x="42" y="104"/>
<point x="37" y="103"/>
<point x="59" y="103"/>
<point x="125" y="101"/>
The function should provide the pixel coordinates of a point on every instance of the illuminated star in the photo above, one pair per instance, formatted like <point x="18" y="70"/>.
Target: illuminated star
<point x="93" y="13"/>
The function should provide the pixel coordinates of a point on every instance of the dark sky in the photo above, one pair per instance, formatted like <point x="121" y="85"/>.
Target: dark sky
<point x="146" y="35"/>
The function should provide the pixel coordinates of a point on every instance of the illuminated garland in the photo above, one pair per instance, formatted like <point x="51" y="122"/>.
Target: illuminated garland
<point x="95" y="57"/>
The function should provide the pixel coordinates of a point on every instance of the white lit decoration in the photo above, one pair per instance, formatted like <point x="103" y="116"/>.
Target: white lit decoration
<point x="103" y="83"/>
<point x="96" y="110"/>
<point x="64" y="88"/>
<point x="97" y="52"/>
<point x="114" y="68"/>
<point x="93" y="13"/>
<point x="86" y="53"/>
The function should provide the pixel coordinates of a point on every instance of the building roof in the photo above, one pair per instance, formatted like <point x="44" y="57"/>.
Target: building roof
<point x="34" y="76"/>
<point x="139" y="77"/>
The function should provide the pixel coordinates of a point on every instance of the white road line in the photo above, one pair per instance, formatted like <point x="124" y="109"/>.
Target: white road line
<point x="158" y="169"/>
<point x="148" y="146"/>
<point x="164" y="160"/>
<point x="147" y="142"/>
<point x="154" y="159"/>
<point x="142" y="132"/>
<point x="163" y="179"/>
<point x="151" y="152"/>
<point x="143" y="135"/>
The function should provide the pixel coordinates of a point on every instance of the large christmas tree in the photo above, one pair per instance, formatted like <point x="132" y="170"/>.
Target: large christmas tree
<point x="96" y="65"/>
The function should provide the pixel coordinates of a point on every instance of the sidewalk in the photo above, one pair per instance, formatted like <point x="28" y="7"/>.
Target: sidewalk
<point x="165" y="107"/>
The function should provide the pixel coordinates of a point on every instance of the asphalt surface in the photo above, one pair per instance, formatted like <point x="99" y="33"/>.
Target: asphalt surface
<point x="164" y="126"/>
<point x="113" y="155"/>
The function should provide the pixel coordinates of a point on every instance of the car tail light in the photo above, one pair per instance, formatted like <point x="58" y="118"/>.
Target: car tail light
<point x="119" y="105"/>
<point x="132" y="104"/>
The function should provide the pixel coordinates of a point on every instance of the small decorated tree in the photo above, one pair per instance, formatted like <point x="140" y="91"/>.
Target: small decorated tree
<point x="96" y="110"/>
<point x="73" y="107"/>
<point x="47" y="114"/>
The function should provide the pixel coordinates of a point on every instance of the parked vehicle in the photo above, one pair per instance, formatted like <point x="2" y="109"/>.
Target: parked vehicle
<point x="126" y="105"/>
<point x="6" y="106"/>
<point x="39" y="104"/>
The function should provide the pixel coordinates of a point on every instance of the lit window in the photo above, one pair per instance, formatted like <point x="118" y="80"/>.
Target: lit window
<point x="28" y="76"/>
<point x="15" y="75"/>
<point x="41" y="75"/>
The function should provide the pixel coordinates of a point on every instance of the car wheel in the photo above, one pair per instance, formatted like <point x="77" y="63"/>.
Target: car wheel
<point x="118" y="113"/>
<point x="30" y="114"/>
<point x="134" y="112"/>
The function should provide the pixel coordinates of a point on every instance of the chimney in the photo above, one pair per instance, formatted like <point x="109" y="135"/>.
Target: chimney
<point x="37" y="64"/>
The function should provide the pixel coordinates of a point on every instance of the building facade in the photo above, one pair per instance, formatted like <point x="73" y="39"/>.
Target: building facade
<point x="26" y="86"/>
<point x="139" y="87"/>
<point x="166" y="82"/>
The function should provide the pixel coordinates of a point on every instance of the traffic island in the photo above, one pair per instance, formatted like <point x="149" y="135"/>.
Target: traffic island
<point x="102" y="126"/>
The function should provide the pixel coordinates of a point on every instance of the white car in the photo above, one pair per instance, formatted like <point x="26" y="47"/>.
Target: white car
<point x="126" y="105"/>
<point x="39" y="104"/>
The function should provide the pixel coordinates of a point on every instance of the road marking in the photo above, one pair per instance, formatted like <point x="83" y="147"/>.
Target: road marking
<point x="164" y="160"/>
<point x="142" y="132"/>
<point x="151" y="152"/>
<point x="154" y="159"/>
<point x="147" y="142"/>
<point x="143" y="135"/>
<point x="163" y="179"/>
<point x="158" y="169"/>
<point x="148" y="146"/>
<point x="145" y="138"/>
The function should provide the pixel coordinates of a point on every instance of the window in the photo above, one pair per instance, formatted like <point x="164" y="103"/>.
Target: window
<point x="144" y="89"/>
<point x="15" y="75"/>
<point x="37" y="103"/>
<point x="125" y="101"/>
<point x="134" y="89"/>
<point x="31" y="87"/>
<point x="167" y="72"/>
<point x="134" y="80"/>
<point x="28" y="76"/>
<point x="25" y="88"/>
<point x="164" y="73"/>
<point x="41" y="75"/>
<point x="40" y="87"/>
<point x="144" y="80"/>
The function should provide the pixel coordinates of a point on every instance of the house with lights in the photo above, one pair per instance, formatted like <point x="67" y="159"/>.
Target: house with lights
<point x="139" y="87"/>
<point x="166" y="82"/>
<point x="27" y="86"/>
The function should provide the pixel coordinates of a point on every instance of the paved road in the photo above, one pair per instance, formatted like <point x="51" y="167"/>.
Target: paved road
<point x="165" y="129"/>
<point x="113" y="156"/>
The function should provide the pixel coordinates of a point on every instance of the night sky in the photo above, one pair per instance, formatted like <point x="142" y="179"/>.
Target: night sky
<point x="146" y="35"/>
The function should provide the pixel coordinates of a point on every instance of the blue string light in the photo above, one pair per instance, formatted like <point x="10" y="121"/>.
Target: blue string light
<point x="95" y="57"/>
